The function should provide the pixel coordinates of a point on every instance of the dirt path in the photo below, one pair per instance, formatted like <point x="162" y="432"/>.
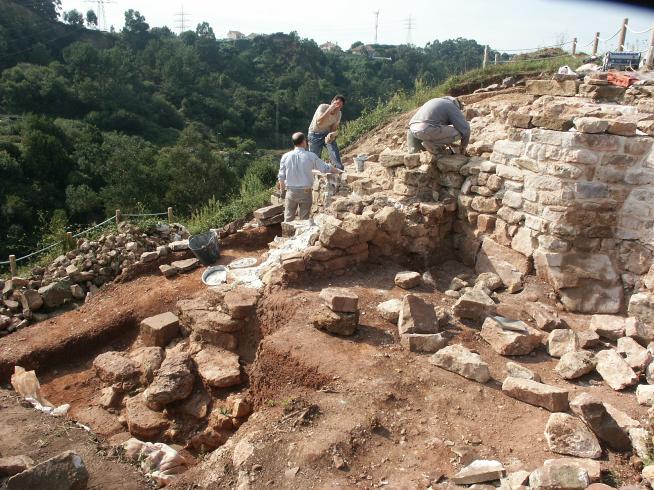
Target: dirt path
<point x="26" y="431"/>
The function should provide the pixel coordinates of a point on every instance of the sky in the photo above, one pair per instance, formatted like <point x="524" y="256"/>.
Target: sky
<point x="502" y="24"/>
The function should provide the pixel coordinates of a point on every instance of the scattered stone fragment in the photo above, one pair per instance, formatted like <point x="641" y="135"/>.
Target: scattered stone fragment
<point x="641" y="305"/>
<point x="479" y="471"/>
<point x="488" y="280"/>
<point x="474" y="305"/>
<point x="149" y="257"/>
<point x="539" y="394"/>
<point x="614" y="370"/>
<point x="417" y="316"/>
<point x="158" y="330"/>
<point x="588" y="339"/>
<point x="337" y="323"/>
<point x="178" y="246"/>
<point x="459" y="360"/>
<point x="418" y="342"/>
<point x="645" y="394"/>
<point x="173" y="381"/>
<point x="641" y="332"/>
<point x="594" y="414"/>
<point x="566" y="434"/>
<point x="608" y="326"/>
<point x="56" y="293"/>
<point x="66" y="471"/>
<point x="341" y="300"/>
<point x="142" y="422"/>
<point x="559" y="477"/>
<point x="407" y="279"/>
<point x="13" y="465"/>
<point x="515" y="370"/>
<point x="591" y="466"/>
<point x="30" y="300"/>
<point x="149" y="359"/>
<point x="515" y="480"/>
<point x="217" y="367"/>
<point x="186" y="265"/>
<point x="575" y="364"/>
<point x="510" y="337"/>
<point x="640" y="440"/>
<point x="110" y="397"/>
<point x="561" y="341"/>
<point x="636" y="355"/>
<point x="390" y="310"/>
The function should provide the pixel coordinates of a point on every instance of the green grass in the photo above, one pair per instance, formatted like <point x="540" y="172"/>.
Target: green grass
<point x="403" y="102"/>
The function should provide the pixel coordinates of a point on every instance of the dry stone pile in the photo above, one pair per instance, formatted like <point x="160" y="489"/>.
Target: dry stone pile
<point x="78" y="274"/>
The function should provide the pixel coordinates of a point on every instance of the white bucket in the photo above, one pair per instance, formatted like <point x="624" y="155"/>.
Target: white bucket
<point x="359" y="162"/>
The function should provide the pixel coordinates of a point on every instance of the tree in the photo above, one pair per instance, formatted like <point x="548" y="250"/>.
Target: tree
<point x="136" y="29"/>
<point x="204" y="31"/>
<point x="91" y="18"/>
<point x="45" y="8"/>
<point x="74" y="18"/>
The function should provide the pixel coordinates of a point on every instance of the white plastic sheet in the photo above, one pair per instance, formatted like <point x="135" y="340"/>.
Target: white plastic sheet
<point x="158" y="460"/>
<point x="27" y="385"/>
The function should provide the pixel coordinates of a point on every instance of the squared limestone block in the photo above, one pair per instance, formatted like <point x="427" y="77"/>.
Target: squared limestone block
<point x="158" y="330"/>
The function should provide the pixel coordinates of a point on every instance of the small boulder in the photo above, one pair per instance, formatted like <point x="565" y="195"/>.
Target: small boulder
<point x="575" y="364"/>
<point x="217" y="367"/>
<point x="344" y="324"/>
<point x="610" y="327"/>
<point x="539" y="394"/>
<point x="158" y="330"/>
<point x="116" y="368"/>
<point x="479" y="471"/>
<point x="475" y="304"/>
<point x="56" y="293"/>
<point x="645" y="395"/>
<point x="559" y="477"/>
<point x="459" y="360"/>
<point x="142" y="422"/>
<point x="636" y="355"/>
<point x="407" y="279"/>
<point x="173" y="381"/>
<point x="341" y="300"/>
<point x="149" y="359"/>
<point x="12" y="465"/>
<point x="594" y="414"/>
<point x="488" y="280"/>
<point x="566" y="434"/>
<point x="561" y="341"/>
<point x="510" y="337"/>
<point x="546" y="317"/>
<point x="186" y="265"/>
<point x="419" y="342"/>
<point x="417" y="316"/>
<point x="390" y="310"/>
<point x="614" y="370"/>
<point x="241" y="302"/>
<point x="515" y="370"/>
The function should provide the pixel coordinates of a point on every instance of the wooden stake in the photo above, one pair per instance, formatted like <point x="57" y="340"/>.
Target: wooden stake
<point x="574" y="46"/>
<point x="119" y="216"/>
<point x="170" y="215"/>
<point x="649" y="60"/>
<point x="13" y="269"/>
<point x="485" y="57"/>
<point x="623" y="35"/>
<point x="497" y="58"/>
<point x="596" y="43"/>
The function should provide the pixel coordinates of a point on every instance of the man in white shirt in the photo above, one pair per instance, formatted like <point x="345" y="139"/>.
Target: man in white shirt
<point x="324" y="128"/>
<point x="296" y="178"/>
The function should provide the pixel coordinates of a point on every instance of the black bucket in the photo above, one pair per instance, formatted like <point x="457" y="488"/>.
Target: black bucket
<point x="205" y="247"/>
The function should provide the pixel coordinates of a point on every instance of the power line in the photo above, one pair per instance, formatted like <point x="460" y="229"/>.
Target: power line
<point x="409" y="26"/>
<point x="101" y="12"/>
<point x="181" y="20"/>
<point x="376" y="24"/>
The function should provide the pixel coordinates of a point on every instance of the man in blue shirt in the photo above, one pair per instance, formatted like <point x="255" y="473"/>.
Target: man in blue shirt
<point x="296" y="178"/>
<point x="437" y="123"/>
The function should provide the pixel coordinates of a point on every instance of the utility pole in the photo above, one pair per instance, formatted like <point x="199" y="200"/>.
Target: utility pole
<point x="623" y="34"/>
<point x="574" y="46"/>
<point x="497" y="58"/>
<point x="181" y="19"/>
<point x="409" y="27"/>
<point x="100" y="12"/>
<point x="376" y="24"/>
<point x="595" y="43"/>
<point x="649" y="61"/>
<point x="485" y="57"/>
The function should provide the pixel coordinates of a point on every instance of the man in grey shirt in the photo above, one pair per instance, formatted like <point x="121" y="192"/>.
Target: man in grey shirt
<point x="437" y="123"/>
<point x="296" y="178"/>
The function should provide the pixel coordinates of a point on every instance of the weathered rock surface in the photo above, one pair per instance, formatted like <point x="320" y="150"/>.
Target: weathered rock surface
<point x="645" y="394"/>
<point x="66" y="471"/>
<point x="559" y="477"/>
<point x="546" y="317"/>
<point x="418" y="342"/>
<point x="390" y="310"/>
<point x="608" y="326"/>
<point x="417" y="316"/>
<point x="143" y="422"/>
<point x="510" y="265"/>
<point x="149" y="359"/>
<point x="510" y="337"/>
<point x="594" y="414"/>
<point x="173" y="381"/>
<point x="116" y="368"/>
<point x="539" y="394"/>
<point x="459" y="360"/>
<point x="614" y="370"/>
<point x="641" y="305"/>
<point x="344" y="324"/>
<point x="12" y="465"/>
<point x="575" y="364"/>
<point x="217" y="367"/>
<point x="566" y="434"/>
<point x="241" y="302"/>
<point x="56" y="293"/>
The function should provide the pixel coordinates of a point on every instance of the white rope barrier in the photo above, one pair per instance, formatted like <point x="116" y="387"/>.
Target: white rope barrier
<point x="638" y="32"/>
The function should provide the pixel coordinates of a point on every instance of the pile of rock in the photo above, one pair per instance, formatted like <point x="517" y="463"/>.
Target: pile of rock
<point x="339" y="312"/>
<point x="166" y="371"/>
<point x="79" y="273"/>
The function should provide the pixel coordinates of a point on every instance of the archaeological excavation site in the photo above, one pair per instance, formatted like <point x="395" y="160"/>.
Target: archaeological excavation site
<point x="442" y="321"/>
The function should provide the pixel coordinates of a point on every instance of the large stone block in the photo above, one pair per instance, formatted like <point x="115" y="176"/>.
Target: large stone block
<point x="158" y="330"/>
<point x="66" y="471"/>
<point x="459" y="360"/>
<point x="641" y="305"/>
<point x="566" y="88"/>
<point x="614" y="370"/>
<point x="510" y="265"/>
<point x="341" y="300"/>
<point x="474" y="305"/>
<point x="566" y="434"/>
<point x="539" y="394"/>
<point x="417" y="316"/>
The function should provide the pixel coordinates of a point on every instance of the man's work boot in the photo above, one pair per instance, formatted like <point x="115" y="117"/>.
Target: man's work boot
<point x="414" y="145"/>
